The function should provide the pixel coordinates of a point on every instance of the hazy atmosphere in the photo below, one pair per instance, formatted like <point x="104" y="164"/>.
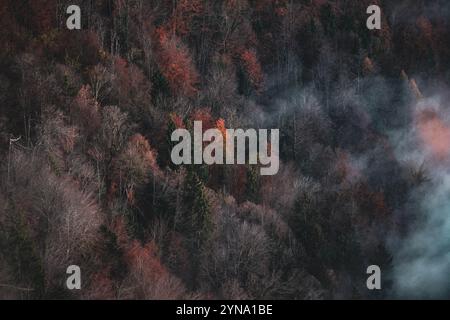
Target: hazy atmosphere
<point x="87" y="176"/>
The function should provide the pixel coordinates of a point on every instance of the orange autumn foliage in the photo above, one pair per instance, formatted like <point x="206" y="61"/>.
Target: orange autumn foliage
<point x="177" y="120"/>
<point x="136" y="255"/>
<point x="252" y="69"/>
<point x="203" y="115"/>
<point x="143" y="149"/>
<point x="434" y="133"/>
<point x="220" y="124"/>
<point x="134" y="167"/>
<point x="146" y="276"/>
<point x="144" y="259"/>
<point x="176" y="64"/>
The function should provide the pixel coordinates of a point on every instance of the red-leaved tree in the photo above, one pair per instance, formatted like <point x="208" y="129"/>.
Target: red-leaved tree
<point x="176" y="64"/>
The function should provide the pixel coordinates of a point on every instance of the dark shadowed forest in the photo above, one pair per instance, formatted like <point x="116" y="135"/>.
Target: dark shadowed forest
<point x="86" y="177"/>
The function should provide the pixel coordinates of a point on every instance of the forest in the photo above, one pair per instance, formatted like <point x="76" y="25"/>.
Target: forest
<point x="86" y="176"/>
